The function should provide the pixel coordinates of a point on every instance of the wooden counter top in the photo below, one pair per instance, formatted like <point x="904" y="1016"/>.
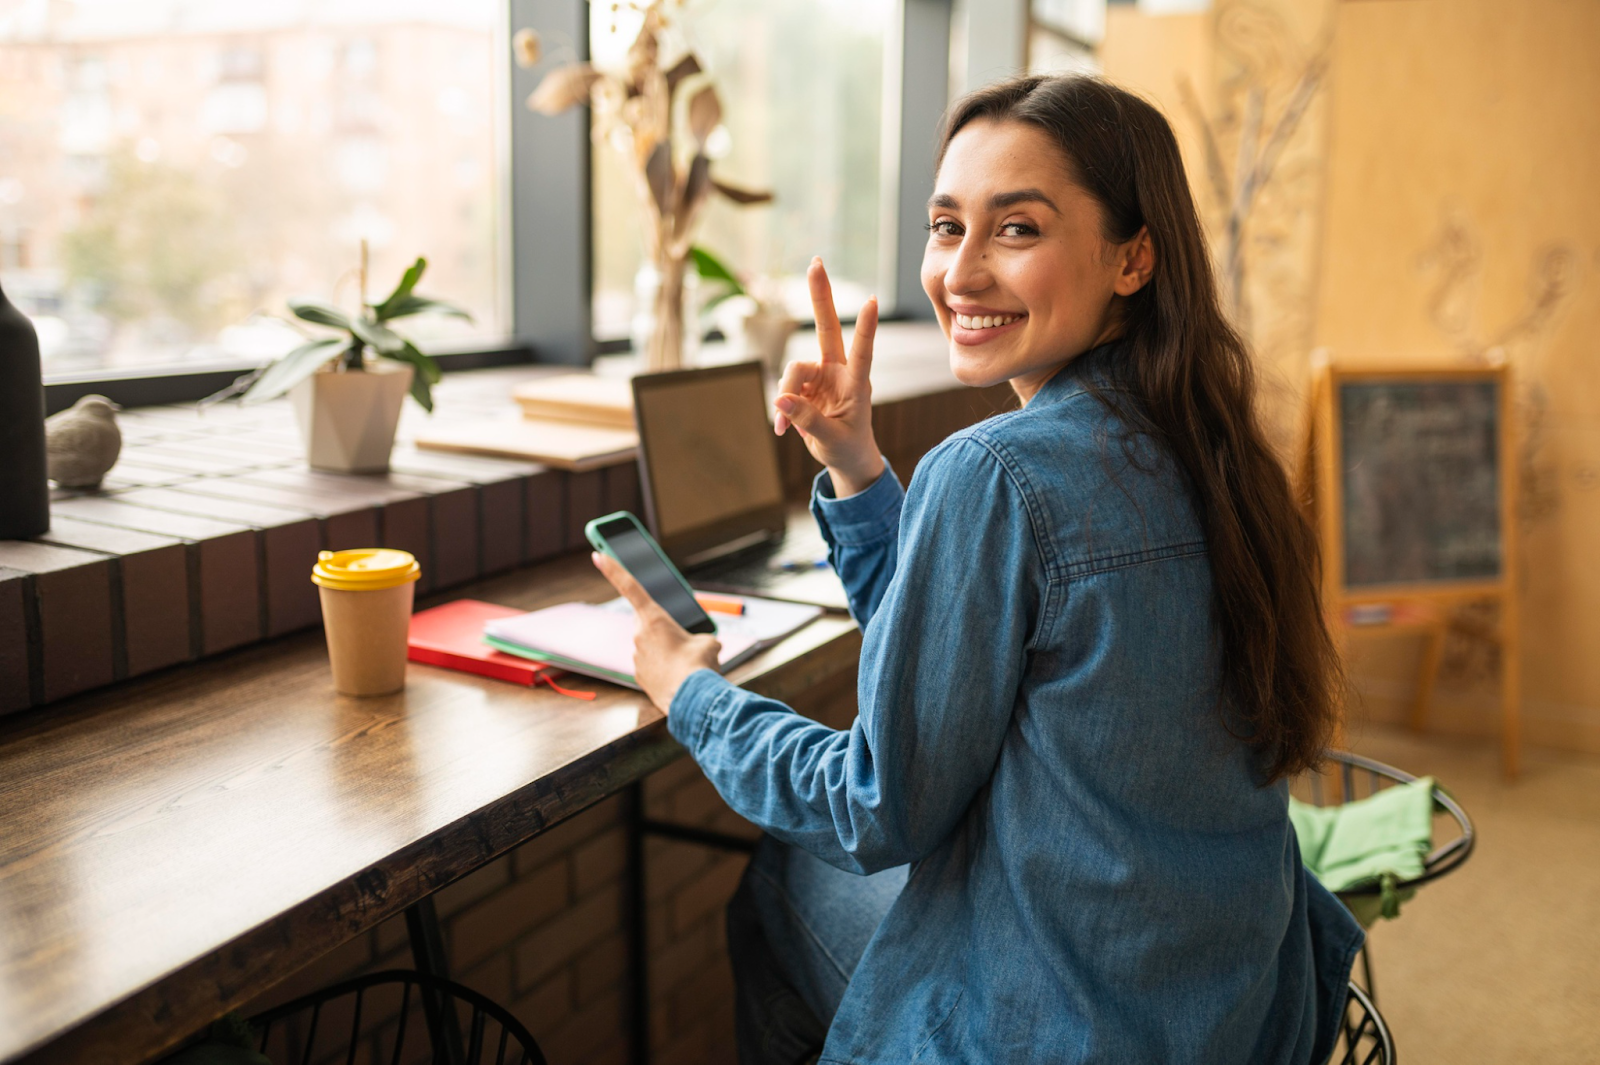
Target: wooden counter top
<point x="176" y="844"/>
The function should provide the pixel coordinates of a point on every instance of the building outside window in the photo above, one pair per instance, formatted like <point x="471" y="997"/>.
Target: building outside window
<point x="801" y="83"/>
<point x="171" y="172"/>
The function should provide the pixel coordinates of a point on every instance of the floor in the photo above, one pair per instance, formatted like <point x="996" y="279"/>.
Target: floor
<point x="1500" y="961"/>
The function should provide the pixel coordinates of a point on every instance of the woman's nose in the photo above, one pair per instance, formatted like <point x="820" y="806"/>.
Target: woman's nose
<point x="968" y="269"/>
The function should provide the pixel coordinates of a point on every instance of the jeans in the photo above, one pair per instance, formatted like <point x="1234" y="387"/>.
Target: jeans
<point x="796" y="929"/>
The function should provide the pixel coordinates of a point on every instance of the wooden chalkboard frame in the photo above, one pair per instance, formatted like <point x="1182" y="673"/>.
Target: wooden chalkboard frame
<point x="1330" y="482"/>
<point x="1323" y="490"/>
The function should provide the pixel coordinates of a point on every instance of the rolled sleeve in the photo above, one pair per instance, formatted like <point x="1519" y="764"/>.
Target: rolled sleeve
<point x="863" y="532"/>
<point x="870" y="516"/>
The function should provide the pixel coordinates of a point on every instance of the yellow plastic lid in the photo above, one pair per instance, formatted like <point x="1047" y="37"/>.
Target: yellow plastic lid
<point x="366" y="569"/>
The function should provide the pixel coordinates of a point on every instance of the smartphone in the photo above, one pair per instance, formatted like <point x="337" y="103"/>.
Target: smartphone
<point x="622" y="537"/>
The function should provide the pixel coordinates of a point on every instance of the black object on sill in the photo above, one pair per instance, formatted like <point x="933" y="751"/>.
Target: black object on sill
<point x="24" y="492"/>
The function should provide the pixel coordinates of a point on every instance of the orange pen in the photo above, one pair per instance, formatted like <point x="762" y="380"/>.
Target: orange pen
<point x="719" y="604"/>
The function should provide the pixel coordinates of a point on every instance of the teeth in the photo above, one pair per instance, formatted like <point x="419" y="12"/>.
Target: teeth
<point x="985" y="321"/>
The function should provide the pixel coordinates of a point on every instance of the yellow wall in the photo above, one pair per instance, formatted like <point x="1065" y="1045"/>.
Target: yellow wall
<point x="1463" y="180"/>
<point x="1452" y="165"/>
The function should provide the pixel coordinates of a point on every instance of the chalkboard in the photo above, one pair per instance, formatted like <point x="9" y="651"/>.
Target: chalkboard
<point x="1420" y="469"/>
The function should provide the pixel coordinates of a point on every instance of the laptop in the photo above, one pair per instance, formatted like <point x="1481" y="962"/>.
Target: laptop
<point x="713" y="493"/>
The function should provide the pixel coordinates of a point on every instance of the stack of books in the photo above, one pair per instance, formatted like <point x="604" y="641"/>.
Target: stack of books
<point x="575" y="421"/>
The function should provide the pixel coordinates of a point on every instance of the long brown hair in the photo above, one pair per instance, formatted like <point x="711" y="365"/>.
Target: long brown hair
<point x="1192" y="385"/>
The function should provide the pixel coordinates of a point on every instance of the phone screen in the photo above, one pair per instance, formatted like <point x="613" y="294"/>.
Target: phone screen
<point x="639" y="558"/>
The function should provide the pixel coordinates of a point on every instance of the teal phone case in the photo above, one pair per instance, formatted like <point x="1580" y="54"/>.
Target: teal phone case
<point x="591" y="532"/>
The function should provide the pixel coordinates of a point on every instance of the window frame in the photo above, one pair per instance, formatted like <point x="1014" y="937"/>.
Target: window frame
<point x="548" y="257"/>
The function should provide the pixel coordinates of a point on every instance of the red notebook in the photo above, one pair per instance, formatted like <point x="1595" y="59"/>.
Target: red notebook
<point x="452" y="636"/>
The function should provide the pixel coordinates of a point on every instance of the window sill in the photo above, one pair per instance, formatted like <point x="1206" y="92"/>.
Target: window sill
<point x="203" y="536"/>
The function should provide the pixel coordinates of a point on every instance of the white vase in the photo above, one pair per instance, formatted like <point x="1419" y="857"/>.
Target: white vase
<point x="642" y="328"/>
<point x="347" y="419"/>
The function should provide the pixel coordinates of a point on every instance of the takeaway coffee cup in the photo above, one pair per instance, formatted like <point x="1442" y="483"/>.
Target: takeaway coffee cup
<point x="366" y="613"/>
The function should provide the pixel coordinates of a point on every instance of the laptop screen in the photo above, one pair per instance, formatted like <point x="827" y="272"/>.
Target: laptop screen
<point x="709" y="459"/>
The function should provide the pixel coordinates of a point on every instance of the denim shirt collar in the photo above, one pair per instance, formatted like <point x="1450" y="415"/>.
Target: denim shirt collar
<point x="1092" y="369"/>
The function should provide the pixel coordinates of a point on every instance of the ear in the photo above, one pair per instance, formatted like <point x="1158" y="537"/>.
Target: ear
<point x="1136" y="261"/>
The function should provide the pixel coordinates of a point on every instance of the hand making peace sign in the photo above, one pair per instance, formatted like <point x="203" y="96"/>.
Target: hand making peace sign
<point x="830" y="402"/>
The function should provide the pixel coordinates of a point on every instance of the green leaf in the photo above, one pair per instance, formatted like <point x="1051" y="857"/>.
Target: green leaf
<point x="418" y="305"/>
<point x="293" y="368"/>
<point x="408" y="281"/>
<point x="383" y="339"/>
<point x="425" y="376"/>
<point x="711" y="268"/>
<point x="240" y="384"/>
<point x="424" y="361"/>
<point x="320" y="313"/>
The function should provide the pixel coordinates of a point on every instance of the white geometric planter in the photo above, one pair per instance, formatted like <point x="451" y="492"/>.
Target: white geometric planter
<point x="347" y="420"/>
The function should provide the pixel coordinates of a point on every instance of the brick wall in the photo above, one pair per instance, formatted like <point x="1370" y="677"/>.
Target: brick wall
<point x="205" y="532"/>
<point x="543" y="930"/>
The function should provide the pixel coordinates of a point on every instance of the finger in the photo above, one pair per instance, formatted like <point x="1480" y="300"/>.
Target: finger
<point x="624" y="582"/>
<point x="830" y="338"/>
<point x="861" y="342"/>
<point x="797" y="375"/>
<point x="803" y="415"/>
<point x="795" y="378"/>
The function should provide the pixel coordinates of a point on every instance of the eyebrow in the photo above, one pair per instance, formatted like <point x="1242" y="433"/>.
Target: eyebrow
<point x="999" y="200"/>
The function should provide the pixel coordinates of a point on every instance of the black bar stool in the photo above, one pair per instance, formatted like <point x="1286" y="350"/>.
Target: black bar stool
<point x="396" y="1015"/>
<point x="1358" y="778"/>
<point x="1363" y="1036"/>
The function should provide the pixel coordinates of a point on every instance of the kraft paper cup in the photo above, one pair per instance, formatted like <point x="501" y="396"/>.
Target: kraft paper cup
<point x="366" y="615"/>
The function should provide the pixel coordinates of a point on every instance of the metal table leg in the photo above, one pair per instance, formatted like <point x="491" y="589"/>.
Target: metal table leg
<point x="639" y="826"/>
<point x="427" y="951"/>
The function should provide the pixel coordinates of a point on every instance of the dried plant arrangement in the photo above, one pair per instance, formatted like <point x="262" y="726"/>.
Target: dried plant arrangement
<point x="634" y="110"/>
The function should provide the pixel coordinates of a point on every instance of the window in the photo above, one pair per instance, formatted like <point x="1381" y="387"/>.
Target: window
<point x="801" y="84"/>
<point x="171" y="172"/>
<point x="1063" y="35"/>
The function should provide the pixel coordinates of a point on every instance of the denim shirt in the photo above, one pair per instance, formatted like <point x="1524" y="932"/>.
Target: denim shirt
<point x="1096" y="875"/>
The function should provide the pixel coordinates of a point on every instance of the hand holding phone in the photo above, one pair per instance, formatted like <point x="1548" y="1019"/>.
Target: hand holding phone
<point x="664" y="655"/>
<point x="622" y="537"/>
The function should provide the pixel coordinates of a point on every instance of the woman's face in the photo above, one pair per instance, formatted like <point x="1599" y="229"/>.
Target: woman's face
<point x="1019" y="274"/>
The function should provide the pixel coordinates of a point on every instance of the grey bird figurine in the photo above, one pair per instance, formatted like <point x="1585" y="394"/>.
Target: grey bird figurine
<point x="82" y="443"/>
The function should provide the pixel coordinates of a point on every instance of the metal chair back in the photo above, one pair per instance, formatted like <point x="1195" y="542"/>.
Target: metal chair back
<point x="1363" y="1036"/>
<point x="1358" y="778"/>
<point x="398" y="1017"/>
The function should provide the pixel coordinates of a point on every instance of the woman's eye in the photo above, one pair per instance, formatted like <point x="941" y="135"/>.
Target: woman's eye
<point x="1018" y="229"/>
<point x="944" y="227"/>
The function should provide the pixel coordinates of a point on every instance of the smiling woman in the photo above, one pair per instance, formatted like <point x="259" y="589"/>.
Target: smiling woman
<point x="1124" y="258"/>
<point x="1021" y="275"/>
<point x="1092" y="653"/>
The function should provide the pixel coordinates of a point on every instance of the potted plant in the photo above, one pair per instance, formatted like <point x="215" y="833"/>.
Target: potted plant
<point x="347" y="390"/>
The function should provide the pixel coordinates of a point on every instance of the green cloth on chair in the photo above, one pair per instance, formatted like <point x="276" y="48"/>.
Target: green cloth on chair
<point x="1383" y="839"/>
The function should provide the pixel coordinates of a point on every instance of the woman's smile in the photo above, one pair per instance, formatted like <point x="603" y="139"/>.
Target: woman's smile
<point x="972" y="325"/>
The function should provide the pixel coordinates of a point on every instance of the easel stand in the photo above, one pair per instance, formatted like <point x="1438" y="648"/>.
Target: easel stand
<point x="1418" y="593"/>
